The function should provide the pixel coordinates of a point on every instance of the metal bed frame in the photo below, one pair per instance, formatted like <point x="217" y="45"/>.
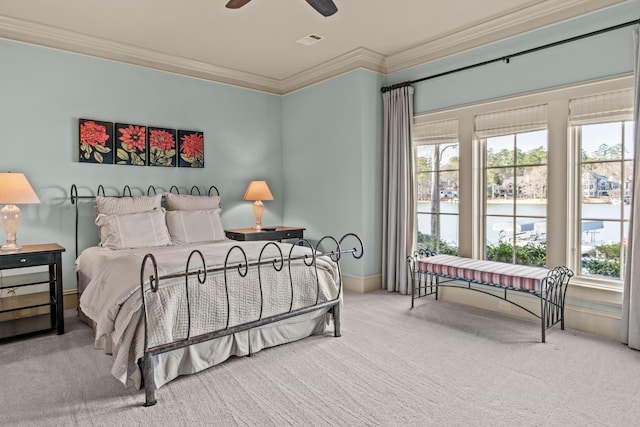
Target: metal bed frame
<point x="553" y="290"/>
<point x="240" y="268"/>
<point x="152" y="283"/>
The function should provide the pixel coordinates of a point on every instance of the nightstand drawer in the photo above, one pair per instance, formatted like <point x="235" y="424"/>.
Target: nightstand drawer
<point x="234" y="236"/>
<point x="293" y="234"/>
<point x="25" y="260"/>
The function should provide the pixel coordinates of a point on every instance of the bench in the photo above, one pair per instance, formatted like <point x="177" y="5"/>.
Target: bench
<point x="426" y="269"/>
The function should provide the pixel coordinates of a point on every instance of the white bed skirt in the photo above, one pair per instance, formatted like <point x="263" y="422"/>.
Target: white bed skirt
<point x="195" y="358"/>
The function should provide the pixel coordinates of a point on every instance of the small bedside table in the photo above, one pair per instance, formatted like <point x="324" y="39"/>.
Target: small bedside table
<point x="45" y="255"/>
<point x="267" y="233"/>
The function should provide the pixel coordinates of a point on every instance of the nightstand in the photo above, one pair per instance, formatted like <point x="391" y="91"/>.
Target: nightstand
<point x="278" y="233"/>
<point x="19" y="313"/>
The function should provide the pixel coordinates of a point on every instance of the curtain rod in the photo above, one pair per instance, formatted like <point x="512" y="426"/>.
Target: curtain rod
<point x="507" y="58"/>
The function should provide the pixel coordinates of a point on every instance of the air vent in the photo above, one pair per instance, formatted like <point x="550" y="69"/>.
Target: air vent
<point x="310" y="39"/>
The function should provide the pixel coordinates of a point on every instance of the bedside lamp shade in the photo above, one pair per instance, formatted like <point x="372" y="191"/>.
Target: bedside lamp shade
<point x="258" y="191"/>
<point x="14" y="190"/>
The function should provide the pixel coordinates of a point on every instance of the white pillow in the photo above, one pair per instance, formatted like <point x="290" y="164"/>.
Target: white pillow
<point x="178" y="202"/>
<point x="137" y="230"/>
<point x="191" y="226"/>
<point x="127" y="205"/>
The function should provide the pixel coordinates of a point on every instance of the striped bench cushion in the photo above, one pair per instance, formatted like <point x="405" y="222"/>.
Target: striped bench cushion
<point x="489" y="272"/>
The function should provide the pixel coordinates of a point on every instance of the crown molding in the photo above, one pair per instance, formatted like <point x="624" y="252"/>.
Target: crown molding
<point x="356" y="59"/>
<point x="43" y="35"/>
<point x="536" y="16"/>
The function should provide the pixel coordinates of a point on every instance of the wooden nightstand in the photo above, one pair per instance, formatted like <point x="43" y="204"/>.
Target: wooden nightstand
<point x="18" y="313"/>
<point x="278" y="233"/>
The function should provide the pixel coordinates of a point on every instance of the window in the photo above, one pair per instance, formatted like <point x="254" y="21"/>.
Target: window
<point x="542" y="179"/>
<point x="437" y="179"/>
<point x="515" y="184"/>
<point x="603" y="145"/>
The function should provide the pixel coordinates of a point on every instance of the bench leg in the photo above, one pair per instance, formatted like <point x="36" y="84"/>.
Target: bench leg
<point x="413" y="287"/>
<point x="543" y="316"/>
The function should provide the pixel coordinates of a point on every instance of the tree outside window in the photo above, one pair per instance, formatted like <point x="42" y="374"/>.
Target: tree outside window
<point x="437" y="177"/>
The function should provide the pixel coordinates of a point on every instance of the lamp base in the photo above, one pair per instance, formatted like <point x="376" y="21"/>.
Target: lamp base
<point x="10" y="247"/>
<point x="11" y="217"/>
<point x="258" y="208"/>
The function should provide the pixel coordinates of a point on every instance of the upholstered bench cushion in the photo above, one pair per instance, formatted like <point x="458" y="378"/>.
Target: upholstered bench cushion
<point x="490" y="272"/>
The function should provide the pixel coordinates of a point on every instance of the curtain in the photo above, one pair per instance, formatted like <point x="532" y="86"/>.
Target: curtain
<point x="398" y="195"/>
<point x="631" y="297"/>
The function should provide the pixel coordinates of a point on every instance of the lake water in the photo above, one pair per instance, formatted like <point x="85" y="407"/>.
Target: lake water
<point x="596" y="228"/>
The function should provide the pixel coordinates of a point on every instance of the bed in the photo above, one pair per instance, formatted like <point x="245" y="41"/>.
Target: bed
<point x="428" y="271"/>
<point x="168" y="295"/>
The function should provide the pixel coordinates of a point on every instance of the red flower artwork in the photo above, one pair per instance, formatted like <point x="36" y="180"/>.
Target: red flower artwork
<point x="161" y="139"/>
<point x="93" y="134"/>
<point x="133" y="137"/>
<point x="96" y="141"/>
<point x="193" y="145"/>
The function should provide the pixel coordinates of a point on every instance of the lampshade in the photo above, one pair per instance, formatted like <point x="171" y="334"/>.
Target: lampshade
<point x="258" y="190"/>
<point x="16" y="190"/>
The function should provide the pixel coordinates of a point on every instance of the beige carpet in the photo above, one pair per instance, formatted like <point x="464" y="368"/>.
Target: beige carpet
<point x="439" y="364"/>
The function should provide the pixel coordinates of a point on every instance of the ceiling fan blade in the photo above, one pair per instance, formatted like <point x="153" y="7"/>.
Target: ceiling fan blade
<point x="324" y="7"/>
<point x="237" y="4"/>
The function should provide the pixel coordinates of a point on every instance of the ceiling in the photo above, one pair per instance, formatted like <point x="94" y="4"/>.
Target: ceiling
<point x="255" y="46"/>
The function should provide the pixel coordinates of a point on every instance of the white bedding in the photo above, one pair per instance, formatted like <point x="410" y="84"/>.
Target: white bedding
<point x="112" y="300"/>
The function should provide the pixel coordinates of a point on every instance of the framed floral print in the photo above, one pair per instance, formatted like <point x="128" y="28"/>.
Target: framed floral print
<point x="96" y="141"/>
<point x="190" y="149"/>
<point x="131" y="145"/>
<point x="161" y="146"/>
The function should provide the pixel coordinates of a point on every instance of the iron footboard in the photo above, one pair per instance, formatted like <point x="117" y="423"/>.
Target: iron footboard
<point x="278" y="263"/>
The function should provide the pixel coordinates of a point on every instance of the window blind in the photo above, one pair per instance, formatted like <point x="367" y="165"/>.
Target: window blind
<point x="601" y="108"/>
<point x="506" y="122"/>
<point x="441" y="132"/>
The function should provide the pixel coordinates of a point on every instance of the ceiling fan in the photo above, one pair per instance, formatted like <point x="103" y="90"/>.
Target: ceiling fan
<point x="324" y="7"/>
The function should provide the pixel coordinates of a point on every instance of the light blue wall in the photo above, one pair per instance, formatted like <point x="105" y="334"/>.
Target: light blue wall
<point x="43" y="92"/>
<point x="608" y="54"/>
<point x="332" y="154"/>
<point x="319" y="148"/>
<point x="332" y="138"/>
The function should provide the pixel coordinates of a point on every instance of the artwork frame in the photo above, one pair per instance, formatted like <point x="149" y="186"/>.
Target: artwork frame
<point x="162" y="147"/>
<point x="131" y="145"/>
<point x="190" y="149"/>
<point x="95" y="142"/>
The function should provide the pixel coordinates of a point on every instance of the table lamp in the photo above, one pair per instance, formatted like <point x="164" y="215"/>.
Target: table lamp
<point x="14" y="190"/>
<point x="258" y="191"/>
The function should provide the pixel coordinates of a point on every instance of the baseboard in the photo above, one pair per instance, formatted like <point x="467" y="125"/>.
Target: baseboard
<point x="70" y="299"/>
<point x="362" y="284"/>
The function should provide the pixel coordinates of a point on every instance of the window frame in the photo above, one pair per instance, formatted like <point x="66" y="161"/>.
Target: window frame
<point x="561" y="164"/>
<point x="436" y="143"/>
<point x="514" y="166"/>
<point x="576" y="153"/>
